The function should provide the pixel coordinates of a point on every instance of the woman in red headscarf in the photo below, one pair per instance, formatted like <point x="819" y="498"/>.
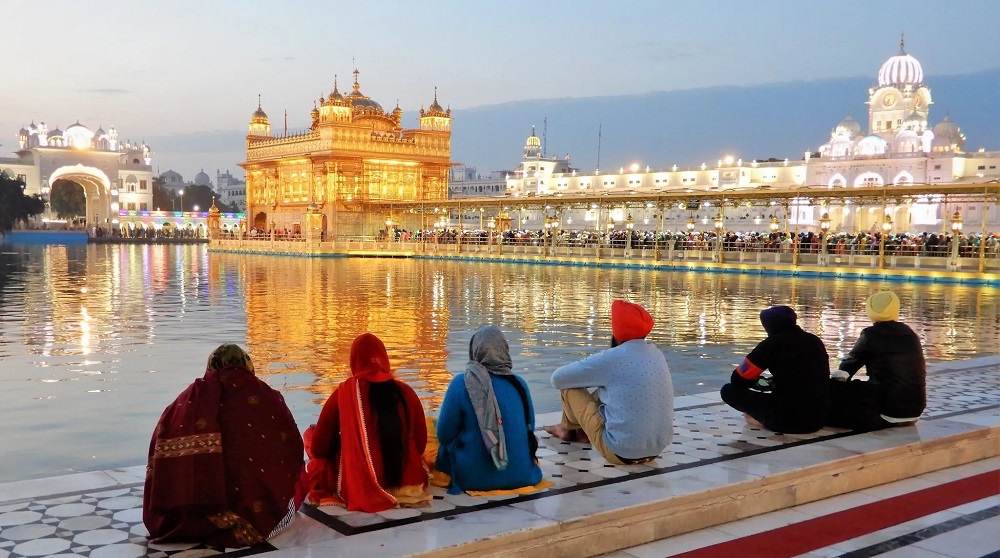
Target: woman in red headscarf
<point x="366" y="451"/>
<point x="224" y="461"/>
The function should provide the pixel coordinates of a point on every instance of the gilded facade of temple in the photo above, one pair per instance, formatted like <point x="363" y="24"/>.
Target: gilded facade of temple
<point x="354" y="153"/>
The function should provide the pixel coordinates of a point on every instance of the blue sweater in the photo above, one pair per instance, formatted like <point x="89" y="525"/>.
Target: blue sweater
<point x="636" y="393"/>
<point x="462" y="453"/>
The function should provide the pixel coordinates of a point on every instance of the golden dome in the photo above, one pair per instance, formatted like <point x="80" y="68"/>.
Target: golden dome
<point x="435" y="106"/>
<point x="359" y="100"/>
<point x="259" y="116"/>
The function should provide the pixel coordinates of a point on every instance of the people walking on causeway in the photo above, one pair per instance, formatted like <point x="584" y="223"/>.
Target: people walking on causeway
<point x="486" y="424"/>
<point x="895" y="393"/>
<point x="629" y="418"/>
<point x="366" y="451"/>
<point x="796" y="399"/>
<point x="225" y="462"/>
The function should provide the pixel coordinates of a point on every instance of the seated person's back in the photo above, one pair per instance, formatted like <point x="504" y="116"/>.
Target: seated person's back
<point x="799" y="400"/>
<point x="486" y="422"/>
<point x="224" y="461"/>
<point x="366" y="451"/>
<point x="893" y="357"/>
<point x="629" y="418"/>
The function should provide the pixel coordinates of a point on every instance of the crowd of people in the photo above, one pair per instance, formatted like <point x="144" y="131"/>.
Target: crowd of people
<point x="926" y="244"/>
<point x="227" y="466"/>
<point x="150" y="233"/>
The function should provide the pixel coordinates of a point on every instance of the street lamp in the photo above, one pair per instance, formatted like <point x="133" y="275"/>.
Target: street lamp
<point x="886" y="228"/>
<point x="629" y="225"/>
<point x="956" y="231"/>
<point x="775" y="225"/>
<point x="181" y="192"/>
<point x="719" y="225"/>
<point x="824" y="225"/>
<point x="388" y="229"/>
<point x="611" y="227"/>
<point x="690" y="224"/>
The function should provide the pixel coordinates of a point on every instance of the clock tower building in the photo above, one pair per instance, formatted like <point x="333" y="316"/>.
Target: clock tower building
<point x="900" y="100"/>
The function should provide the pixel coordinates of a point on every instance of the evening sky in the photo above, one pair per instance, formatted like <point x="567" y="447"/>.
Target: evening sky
<point x="194" y="68"/>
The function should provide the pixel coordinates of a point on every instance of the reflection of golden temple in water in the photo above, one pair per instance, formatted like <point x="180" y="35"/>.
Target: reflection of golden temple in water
<point x="304" y="314"/>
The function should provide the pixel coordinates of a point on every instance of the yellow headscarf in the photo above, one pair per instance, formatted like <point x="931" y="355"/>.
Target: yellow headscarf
<point x="230" y="356"/>
<point x="883" y="306"/>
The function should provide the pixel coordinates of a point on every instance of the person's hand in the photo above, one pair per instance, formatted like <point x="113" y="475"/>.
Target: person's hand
<point x="839" y="375"/>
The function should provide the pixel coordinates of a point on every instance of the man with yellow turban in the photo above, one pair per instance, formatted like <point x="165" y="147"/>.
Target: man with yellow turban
<point x="895" y="393"/>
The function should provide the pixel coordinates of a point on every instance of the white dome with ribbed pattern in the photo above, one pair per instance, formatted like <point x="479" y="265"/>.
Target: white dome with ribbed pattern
<point x="901" y="69"/>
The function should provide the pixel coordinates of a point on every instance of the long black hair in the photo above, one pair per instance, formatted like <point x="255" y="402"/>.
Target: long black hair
<point x="532" y="440"/>
<point x="386" y="400"/>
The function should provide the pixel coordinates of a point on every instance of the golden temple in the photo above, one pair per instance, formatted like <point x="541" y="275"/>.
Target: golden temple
<point x="319" y="181"/>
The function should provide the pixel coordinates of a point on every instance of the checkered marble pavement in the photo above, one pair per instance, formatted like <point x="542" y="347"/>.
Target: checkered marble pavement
<point x="108" y="522"/>
<point x="99" y="524"/>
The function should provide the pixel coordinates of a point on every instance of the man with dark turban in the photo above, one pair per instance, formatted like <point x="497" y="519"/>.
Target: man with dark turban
<point x="796" y="400"/>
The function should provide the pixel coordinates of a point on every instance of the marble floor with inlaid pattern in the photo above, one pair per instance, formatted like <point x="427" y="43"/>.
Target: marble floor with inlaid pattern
<point x="99" y="515"/>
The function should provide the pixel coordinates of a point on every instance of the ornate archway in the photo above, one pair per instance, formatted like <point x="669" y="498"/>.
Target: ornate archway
<point x="101" y="209"/>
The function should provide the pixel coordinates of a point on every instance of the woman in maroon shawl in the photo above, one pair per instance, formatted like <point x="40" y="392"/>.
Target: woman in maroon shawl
<point x="225" y="460"/>
<point x="366" y="451"/>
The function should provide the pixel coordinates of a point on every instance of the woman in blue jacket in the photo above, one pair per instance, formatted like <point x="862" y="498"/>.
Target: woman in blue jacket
<point x="486" y="423"/>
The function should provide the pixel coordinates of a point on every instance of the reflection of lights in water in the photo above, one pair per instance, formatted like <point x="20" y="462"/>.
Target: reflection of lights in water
<point x="298" y="316"/>
<point x="85" y="331"/>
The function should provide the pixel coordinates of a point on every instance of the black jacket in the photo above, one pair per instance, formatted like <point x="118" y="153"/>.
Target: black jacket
<point x="799" y="364"/>
<point x="894" y="359"/>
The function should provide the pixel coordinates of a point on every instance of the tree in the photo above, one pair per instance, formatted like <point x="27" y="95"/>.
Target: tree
<point x="14" y="205"/>
<point x="67" y="199"/>
<point x="162" y="196"/>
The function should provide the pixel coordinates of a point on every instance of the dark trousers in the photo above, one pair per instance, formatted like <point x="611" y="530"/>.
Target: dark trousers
<point x="854" y="405"/>
<point x="761" y="406"/>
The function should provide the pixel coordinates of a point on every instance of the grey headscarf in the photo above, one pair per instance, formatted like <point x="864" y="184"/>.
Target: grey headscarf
<point x="488" y="354"/>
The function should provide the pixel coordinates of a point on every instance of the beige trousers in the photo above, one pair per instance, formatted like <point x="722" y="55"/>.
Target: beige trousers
<point x="580" y="410"/>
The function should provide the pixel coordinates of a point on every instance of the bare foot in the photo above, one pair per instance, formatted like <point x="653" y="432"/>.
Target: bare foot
<point x="752" y="421"/>
<point x="576" y="435"/>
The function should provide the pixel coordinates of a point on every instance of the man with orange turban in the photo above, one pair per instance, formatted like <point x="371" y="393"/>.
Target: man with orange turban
<point x="629" y="418"/>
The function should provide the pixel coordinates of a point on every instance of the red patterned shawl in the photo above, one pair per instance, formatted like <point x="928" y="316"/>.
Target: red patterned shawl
<point x="224" y="463"/>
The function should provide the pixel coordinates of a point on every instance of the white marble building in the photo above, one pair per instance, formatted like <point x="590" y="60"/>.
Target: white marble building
<point x="232" y="191"/>
<point x="467" y="182"/>
<point x="115" y="175"/>
<point x="899" y="147"/>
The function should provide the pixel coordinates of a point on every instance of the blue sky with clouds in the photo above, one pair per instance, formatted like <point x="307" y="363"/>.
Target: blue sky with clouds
<point x="162" y="69"/>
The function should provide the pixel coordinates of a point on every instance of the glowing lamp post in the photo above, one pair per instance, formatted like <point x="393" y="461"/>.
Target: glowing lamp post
<point x="719" y="231"/>
<point x="824" y="225"/>
<point x="629" y="225"/>
<point x="549" y="224"/>
<point x="389" y="232"/>
<point x="491" y="225"/>
<point x="956" y="233"/>
<point x="181" y="192"/>
<point x="690" y="224"/>
<point x="774" y="225"/>
<point x="611" y="228"/>
<point x="886" y="229"/>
